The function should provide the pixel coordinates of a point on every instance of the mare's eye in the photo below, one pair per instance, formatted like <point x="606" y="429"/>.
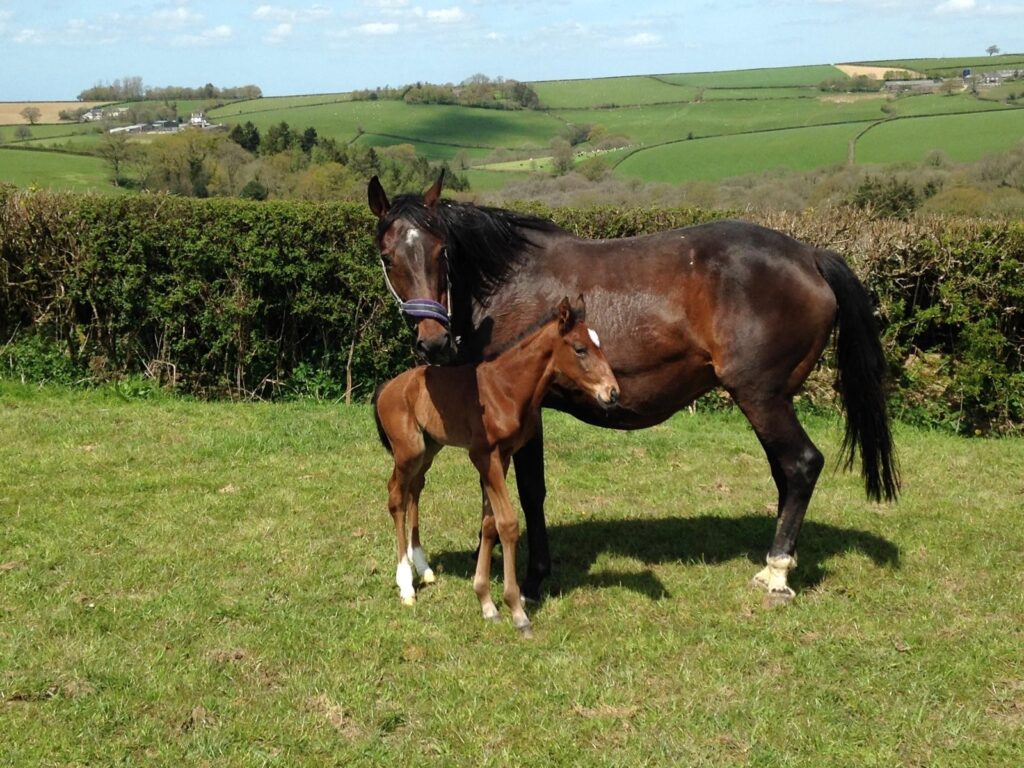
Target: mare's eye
<point x="386" y="260"/>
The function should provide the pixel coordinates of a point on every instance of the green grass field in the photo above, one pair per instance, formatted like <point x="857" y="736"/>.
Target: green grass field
<point x="52" y="170"/>
<point x="961" y="137"/>
<point x="778" y="77"/>
<point x="652" y="112"/>
<point x="186" y="583"/>
<point x="952" y="67"/>
<point x="719" y="157"/>
<point x="606" y="91"/>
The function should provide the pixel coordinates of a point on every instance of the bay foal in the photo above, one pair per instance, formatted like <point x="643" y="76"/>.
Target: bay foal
<point x="492" y="409"/>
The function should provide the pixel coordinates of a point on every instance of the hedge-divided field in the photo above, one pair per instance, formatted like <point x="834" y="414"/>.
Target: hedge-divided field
<point x="646" y="114"/>
<point x="233" y="298"/>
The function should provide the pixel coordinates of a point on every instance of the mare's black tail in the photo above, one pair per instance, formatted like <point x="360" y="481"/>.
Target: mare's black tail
<point x="862" y="369"/>
<point x="376" y="417"/>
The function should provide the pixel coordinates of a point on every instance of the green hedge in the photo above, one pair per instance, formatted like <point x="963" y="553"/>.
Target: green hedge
<point x="236" y="298"/>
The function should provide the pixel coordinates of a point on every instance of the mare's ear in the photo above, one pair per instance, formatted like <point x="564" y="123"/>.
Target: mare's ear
<point x="432" y="195"/>
<point x="566" y="316"/>
<point x="378" y="200"/>
<point x="580" y="308"/>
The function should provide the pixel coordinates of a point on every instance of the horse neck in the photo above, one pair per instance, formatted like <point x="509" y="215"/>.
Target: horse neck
<point x="524" y="372"/>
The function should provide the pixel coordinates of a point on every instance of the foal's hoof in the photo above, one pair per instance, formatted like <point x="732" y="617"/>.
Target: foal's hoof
<point x="490" y="614"/>
<point x="410" y="601"/>
<point x="777" y="597"/>
<point x="525" y="630"/>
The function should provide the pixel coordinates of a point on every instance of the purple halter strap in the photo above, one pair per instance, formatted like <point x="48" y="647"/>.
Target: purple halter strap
<point x="427" y="308"/>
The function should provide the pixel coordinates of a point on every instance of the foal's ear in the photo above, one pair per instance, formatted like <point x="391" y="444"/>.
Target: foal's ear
<point x="580" y="309"/>
<point x="432" y="195"/>
<point x="566" y="316"/>
<point x="378" y="200"/>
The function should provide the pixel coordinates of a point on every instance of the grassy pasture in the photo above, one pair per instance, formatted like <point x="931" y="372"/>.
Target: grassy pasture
<point x="195" y="583"/>
<point x="49" y="130"/>
<point x="605" y="91"/>
<point x="952" y="67"/>
<point x="431" y="124"/>
<point x="939" y="104"/>
<point x="961" y="137"/>
<point x="777" y="77"/>
<point x="269" y="103"/>
<point x="719" y="157"/>
<point x="656" y="124"/>
<point x="54" y="170"/>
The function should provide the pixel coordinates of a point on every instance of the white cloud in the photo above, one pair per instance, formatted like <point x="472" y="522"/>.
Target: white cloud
<point x="642" y="40"/>
<point x="281" y="14"/>
<point x="447" y="15"/>
<point x="279" y="33"/>
<point x="176" y="17"/>
<point x="211" y="36"/>
<point x="955" y="6"/>
<point x="29" y="37"/>
<point x="377" y="28"/>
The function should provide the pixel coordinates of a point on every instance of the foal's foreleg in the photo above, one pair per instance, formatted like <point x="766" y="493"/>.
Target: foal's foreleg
<point x="492" y="473"/>
<point x="414" y="551"/>
<point x="398" y="502"/>
<point x="484" y="553"/>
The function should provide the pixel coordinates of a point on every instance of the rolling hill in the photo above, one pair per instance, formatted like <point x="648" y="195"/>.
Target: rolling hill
<point x="670" y="127"/>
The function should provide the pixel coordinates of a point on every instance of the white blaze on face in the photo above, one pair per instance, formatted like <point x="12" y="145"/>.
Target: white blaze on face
<point x="594" y="338"/>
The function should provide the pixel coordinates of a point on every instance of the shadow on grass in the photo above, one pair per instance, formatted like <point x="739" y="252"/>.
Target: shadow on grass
<point x="575" y="547"/>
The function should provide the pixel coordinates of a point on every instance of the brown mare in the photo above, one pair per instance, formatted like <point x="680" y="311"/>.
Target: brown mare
<point x="492" y="409"/>
<point x="727" y="303"/>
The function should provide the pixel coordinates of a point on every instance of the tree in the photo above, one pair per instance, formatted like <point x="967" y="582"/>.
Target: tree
<point x="115" y="149"/>
<point x="992" y="50"/>
<point x="561" y="156"/>
<point x="32" y="114"/>
<point x="246" y="136"/>
<point x="22" y="132"/>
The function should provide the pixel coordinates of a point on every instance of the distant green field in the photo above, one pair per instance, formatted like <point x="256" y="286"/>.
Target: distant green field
<point x="961" y="137"/>
<point x="53" y="170"/>
<point x="953" y="66"/>
<point x="779" y="77"/>
<point x="432" y="124"/>
<point x="801" y="149"/>
<point x="937" y="104"/>
<point x="747" y="94"/>
<point x="660" y="123"/>
<point x="48" y="130"/>
<point x="274" y="103"/>
<point x="599" y="92"/>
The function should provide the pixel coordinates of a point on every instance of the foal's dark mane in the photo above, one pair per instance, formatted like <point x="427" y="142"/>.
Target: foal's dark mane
<point x="484" y="244"/>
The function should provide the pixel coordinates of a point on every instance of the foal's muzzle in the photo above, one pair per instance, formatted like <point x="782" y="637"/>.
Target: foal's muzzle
<point x="608" y="397"/>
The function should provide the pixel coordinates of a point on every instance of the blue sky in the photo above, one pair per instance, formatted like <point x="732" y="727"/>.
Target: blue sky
<point x="53" y="50"/>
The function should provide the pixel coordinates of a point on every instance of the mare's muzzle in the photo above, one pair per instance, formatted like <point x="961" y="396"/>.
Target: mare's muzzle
<point x="434" y="341"/>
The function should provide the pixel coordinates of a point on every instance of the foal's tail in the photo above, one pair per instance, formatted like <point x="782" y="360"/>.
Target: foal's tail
<point x="861" y="364"/>
<point x="376" y="417"/>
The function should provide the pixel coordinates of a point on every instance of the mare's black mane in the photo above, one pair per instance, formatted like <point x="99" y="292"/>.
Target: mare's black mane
<point x="485" y="245"/>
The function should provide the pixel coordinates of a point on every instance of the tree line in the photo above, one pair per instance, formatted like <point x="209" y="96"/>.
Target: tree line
<point x="476" y="91"/>
<point x="133" y="89"/>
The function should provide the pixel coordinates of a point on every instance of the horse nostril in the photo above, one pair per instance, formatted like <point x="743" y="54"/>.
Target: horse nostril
<point x="613" y="396"/>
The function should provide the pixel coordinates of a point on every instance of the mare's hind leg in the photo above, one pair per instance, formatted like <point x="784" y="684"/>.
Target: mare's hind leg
<point x="796" y="464"/>
<point x="414" y="550"/>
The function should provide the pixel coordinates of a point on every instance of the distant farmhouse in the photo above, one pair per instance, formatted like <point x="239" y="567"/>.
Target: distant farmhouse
<point x="196" y="120"/>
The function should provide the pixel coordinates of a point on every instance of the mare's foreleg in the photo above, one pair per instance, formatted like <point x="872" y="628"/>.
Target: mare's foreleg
<point x="529" y="463"/>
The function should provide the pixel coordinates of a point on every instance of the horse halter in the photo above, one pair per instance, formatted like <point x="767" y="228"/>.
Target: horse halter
<point x="424" y="308"/>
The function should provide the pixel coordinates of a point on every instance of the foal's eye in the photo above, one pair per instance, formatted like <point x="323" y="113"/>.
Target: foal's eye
<point x="580" y="350"/>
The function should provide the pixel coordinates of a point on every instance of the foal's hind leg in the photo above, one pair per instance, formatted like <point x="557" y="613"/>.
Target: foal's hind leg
<point x="796" y="464"/>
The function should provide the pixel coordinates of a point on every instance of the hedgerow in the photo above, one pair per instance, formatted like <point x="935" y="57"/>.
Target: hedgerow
<point x="234" y="298"/>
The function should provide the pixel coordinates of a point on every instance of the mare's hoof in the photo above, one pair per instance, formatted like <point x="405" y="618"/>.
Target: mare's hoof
<point x="776" y="598"/>
<point x="525" y="631"/>
<point x="410" y="601"/>
<point x="428" y="577"/>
